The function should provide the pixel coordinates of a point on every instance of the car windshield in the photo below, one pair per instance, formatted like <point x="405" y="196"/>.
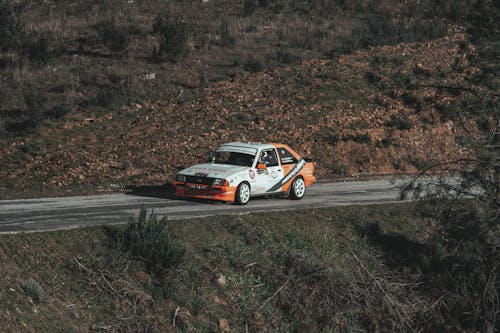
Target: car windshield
<point x="230" y="157"/>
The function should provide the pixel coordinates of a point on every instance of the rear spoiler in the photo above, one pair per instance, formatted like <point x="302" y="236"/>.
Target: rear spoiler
<point x="308" y="159"/>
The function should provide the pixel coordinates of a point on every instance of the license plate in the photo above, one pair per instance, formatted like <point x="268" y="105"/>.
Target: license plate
<point x="198" y="187"/>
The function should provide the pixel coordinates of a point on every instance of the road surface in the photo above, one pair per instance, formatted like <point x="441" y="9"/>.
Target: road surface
<point x="32" y="215"/>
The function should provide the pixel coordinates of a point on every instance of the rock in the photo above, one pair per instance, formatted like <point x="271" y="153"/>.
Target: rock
<point x="224" y="325"/>
<point x="222" y="281"/>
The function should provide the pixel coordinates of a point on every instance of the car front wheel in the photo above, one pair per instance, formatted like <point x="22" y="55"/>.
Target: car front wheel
<point x="243" y="194"/>
<point x="298" y="189"/>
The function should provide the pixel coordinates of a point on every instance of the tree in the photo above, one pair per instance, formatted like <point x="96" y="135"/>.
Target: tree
<point x="465" y="210"/>
<point x="173" y="38"/>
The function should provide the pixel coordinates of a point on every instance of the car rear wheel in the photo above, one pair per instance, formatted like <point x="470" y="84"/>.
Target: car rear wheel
<point x="242" y="194"/>
<point x="298" y="189"/>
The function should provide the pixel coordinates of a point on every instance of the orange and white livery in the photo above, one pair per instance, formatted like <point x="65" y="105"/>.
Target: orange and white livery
<point x="236" y="171"/>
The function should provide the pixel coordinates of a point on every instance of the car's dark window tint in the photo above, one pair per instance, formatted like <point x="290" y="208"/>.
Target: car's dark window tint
<point x="286" y="157"/>
<point x="230" y="157"/>
<point x="268" y="157"/>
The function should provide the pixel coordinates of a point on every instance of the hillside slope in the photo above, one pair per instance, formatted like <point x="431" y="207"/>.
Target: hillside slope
<point x="331" y="110"/>
<point x="354" y="107"/>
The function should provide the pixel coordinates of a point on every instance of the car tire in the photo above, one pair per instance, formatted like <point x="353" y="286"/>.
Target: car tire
<point x="242" y="194"/>
<point x="298" y="189"/>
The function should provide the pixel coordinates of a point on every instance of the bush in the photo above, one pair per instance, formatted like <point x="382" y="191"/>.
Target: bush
<point x="148" y="240"/>
<point x="36" y="50"/>
<point x="339" y="168"/>
<point x="25" y="120"/>
<point x="104" y="97"/>
<point x="249" y="7"/>
<point x="254" y="65"/>
<point x="317" y="298"/>
<point x="33" y="289"/>
<point x="11" y="30"/>
<point x="464" y="211"/>
<point x="360" y="138"/>
<point x="401" y="122"/>
<point x="465" y="264"/>
<point x="116" y="39"/>
<point x="226" y="39"/>
<point x="411" y="100"/>
<point x="23" y="126"/>
<point x="379" y="29"/>
<point x="287" y="57"/>
<point x="372" y="78"/>
<point x="56" y="112"/>
<point x="173" y="35"/>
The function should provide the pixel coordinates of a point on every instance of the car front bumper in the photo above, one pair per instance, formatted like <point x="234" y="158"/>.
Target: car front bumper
<point x="220" y="193"/>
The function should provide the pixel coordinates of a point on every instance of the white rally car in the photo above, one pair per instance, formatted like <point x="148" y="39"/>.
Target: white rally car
<point x="237" y="171"/>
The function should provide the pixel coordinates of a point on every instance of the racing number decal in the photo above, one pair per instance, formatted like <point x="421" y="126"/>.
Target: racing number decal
<point x="288" y="176"/>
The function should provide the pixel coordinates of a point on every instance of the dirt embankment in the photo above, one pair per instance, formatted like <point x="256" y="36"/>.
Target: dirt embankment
<point x="379" y="111"/>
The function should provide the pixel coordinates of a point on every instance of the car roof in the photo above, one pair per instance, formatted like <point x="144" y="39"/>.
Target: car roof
<point x="246" y="145"/>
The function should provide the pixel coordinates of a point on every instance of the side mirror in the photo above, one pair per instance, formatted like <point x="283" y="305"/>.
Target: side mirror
<point x="261" y="166"/>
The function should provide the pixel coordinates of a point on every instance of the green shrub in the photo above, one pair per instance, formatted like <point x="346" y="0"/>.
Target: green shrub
<point x="56" y="112"/>
<point x="401" y="80"/>
<point x="36" y="50"/>
<point x="411" y="100"/>
<point x="339" y="168"/>
<point x="387" y="142"/>
<point x="115" y="38"/>
<point x="372" y="78"/>
<point x="105" y="97"/>
<point x="254" y="65"/>
<point x="379" y="29"/>
<point x="249" y="7"/>
<point x="33" y="289"/>
<point x="287" y="57"/>
<point x="266" y="3"/>
<point x="361" y="138"/>
<point x="226" y="39"/>
<point x="236" y="62"/>
<point x="173" y="37"/>
<point x="11" y="30"/>
<point x="24" y="121"/>
<point x="400" y="122"/>
<point x="22" y="126"/>
<point x="333" y="139"/>
<point x="147" y="239"/>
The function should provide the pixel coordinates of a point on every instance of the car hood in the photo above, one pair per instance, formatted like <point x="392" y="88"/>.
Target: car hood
<point x="213" y="170"/>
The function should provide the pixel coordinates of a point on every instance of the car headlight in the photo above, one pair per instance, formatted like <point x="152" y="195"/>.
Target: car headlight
<point x="181" y="178"/>
<point x="220" y="182"/>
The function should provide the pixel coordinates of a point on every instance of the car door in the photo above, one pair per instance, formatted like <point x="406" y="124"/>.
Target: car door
<point x="269" y="176"/>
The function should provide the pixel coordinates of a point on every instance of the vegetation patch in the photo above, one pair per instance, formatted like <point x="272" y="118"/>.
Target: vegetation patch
<point x="32" y="289"/>
<point x="147" y="239"/>
<point x="350" y="268"/>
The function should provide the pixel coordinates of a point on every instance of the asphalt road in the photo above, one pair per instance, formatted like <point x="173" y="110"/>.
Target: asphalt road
<point x="32" y="215"/>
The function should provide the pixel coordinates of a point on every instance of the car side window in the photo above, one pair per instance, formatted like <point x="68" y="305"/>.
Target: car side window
<point x="286" y="157"/>
<point x="268" y="157"/>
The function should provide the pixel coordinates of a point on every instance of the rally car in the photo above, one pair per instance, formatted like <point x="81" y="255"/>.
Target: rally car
<point x="236" y="171"/>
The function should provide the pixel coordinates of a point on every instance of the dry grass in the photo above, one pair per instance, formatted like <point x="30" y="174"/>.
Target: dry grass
<point x="301" y="271"/>
<point x="262" y="273"/>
